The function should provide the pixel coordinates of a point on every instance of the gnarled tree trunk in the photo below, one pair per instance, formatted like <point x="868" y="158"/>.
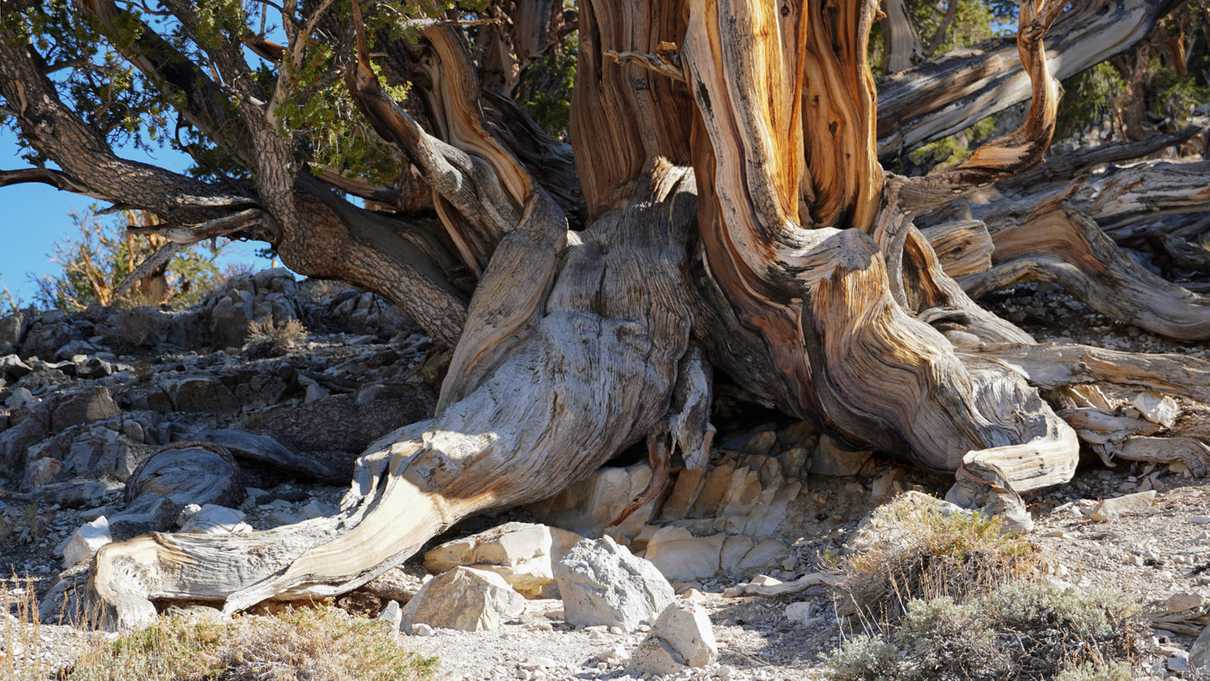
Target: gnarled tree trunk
<point x="737" y="219"/>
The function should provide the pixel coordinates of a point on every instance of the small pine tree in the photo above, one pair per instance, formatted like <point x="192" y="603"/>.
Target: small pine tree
<point x="94" y="265"/>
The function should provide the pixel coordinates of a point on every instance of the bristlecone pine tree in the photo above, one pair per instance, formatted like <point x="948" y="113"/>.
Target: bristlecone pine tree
<point x="722" y="208"/>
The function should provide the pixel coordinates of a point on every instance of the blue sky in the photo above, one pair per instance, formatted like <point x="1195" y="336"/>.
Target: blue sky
<point x="34" y="217"/>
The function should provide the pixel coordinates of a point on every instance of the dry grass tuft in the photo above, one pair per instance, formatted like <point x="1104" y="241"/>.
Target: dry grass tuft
<point x="20" y="632"/>
<point x="919" y="552"/>
<point x="304" y="644"/>
<point x="266" y="339"/>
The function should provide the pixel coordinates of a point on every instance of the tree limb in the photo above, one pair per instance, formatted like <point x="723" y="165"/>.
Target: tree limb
<point x="936" y="99"/>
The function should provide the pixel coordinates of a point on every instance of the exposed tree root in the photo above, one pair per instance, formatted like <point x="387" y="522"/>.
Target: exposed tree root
<point x="835" y="315"/>
<point x="594" y="372"/>
<point x="1059" y="245"/>
<point x="964" y="247"/>
<point x="1082" y="381"/>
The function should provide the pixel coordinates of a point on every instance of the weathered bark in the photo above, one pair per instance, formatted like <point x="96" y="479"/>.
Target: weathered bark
<point x="831" y="310"/>
<point x="622" y="114"/>
<point x="941" y="98"/>
<point x="605" y="322"/>
<point x="727" y="155"/>
<point x="964" y="247"/>
<point x="1123" y="200"/>
<point x="903" y="47"/>
<point x="1065" y="166"/>
<point x="1083" y="380"/>
<point x="1061" y="246"/>
<point x="1064" y="232"/>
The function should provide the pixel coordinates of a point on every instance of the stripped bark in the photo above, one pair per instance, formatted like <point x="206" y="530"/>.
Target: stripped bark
<point x="1061" y="246"/>
<point x="940" y="98"/>
<point x="610" y="327"/>
<point x="963" y="247"/>
<point x="903" y="46"/>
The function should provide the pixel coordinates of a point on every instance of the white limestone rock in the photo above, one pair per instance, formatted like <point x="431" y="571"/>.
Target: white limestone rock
<point x="523" y="554"/>
<point x="603" y="583"/>
<point x="465" y="599"/>
<point x="83" y="544"/>
<point x="681" y="637"/>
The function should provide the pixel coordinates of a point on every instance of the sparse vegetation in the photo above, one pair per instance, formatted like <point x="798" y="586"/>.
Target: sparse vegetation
<point x="266" y="339"/>
<point x="304" y="644"/>
<point x="1093" y="672"/>
<point x="94" y="265"/>
<point x="1019" y="630"/>
<point x="292" y="644"/>
<point x="928" y="555"/>
<point x="20" y="631"/>
<point x="22" y="523"/>
<point x="952" y="596"/>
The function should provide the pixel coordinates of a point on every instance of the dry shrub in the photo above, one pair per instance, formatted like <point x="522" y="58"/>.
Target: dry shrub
<point x="304" y="644"/>
<point x="20" y="632"/>
<point x="1094" y="672"/>
<point x="266" y="339"/>
<point x="1021" y="630"/>
<point x="920" y="552"/>
<point x="944" y="594"/>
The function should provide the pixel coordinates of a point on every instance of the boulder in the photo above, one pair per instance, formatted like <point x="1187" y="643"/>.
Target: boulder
<point x="392" y="615"/>
<point x="801" y="613"/>
<point x="19" y="398"/>
<point x="686" y="627"/>
<point x="83" y="544"/>
<point x="1182" y="601"/>
<point x="679" y="555"/>
<point x="78" y="492"/>
<point x="11" y="328"/>
<point x="16" y="440"/>
<point x="465" y="599"/>
<point x="603" y="583"/>
<point x="95" y="367"/>
<point x="522" y="553"/>
<point x="203" y="394"/>
<point x="681" y="637"/>
<point x="40" y="472"/>
<point x="395" y="585"/>
<point x="74" y="348"/>
<point x="590" y="506"/>
<point x="1110" y="509"/>
<point x="83" y="407"/>
<point x="1158" y="409"/>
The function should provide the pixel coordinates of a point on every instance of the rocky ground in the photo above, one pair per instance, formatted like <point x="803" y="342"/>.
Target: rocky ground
<point x="89" y="398"/>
